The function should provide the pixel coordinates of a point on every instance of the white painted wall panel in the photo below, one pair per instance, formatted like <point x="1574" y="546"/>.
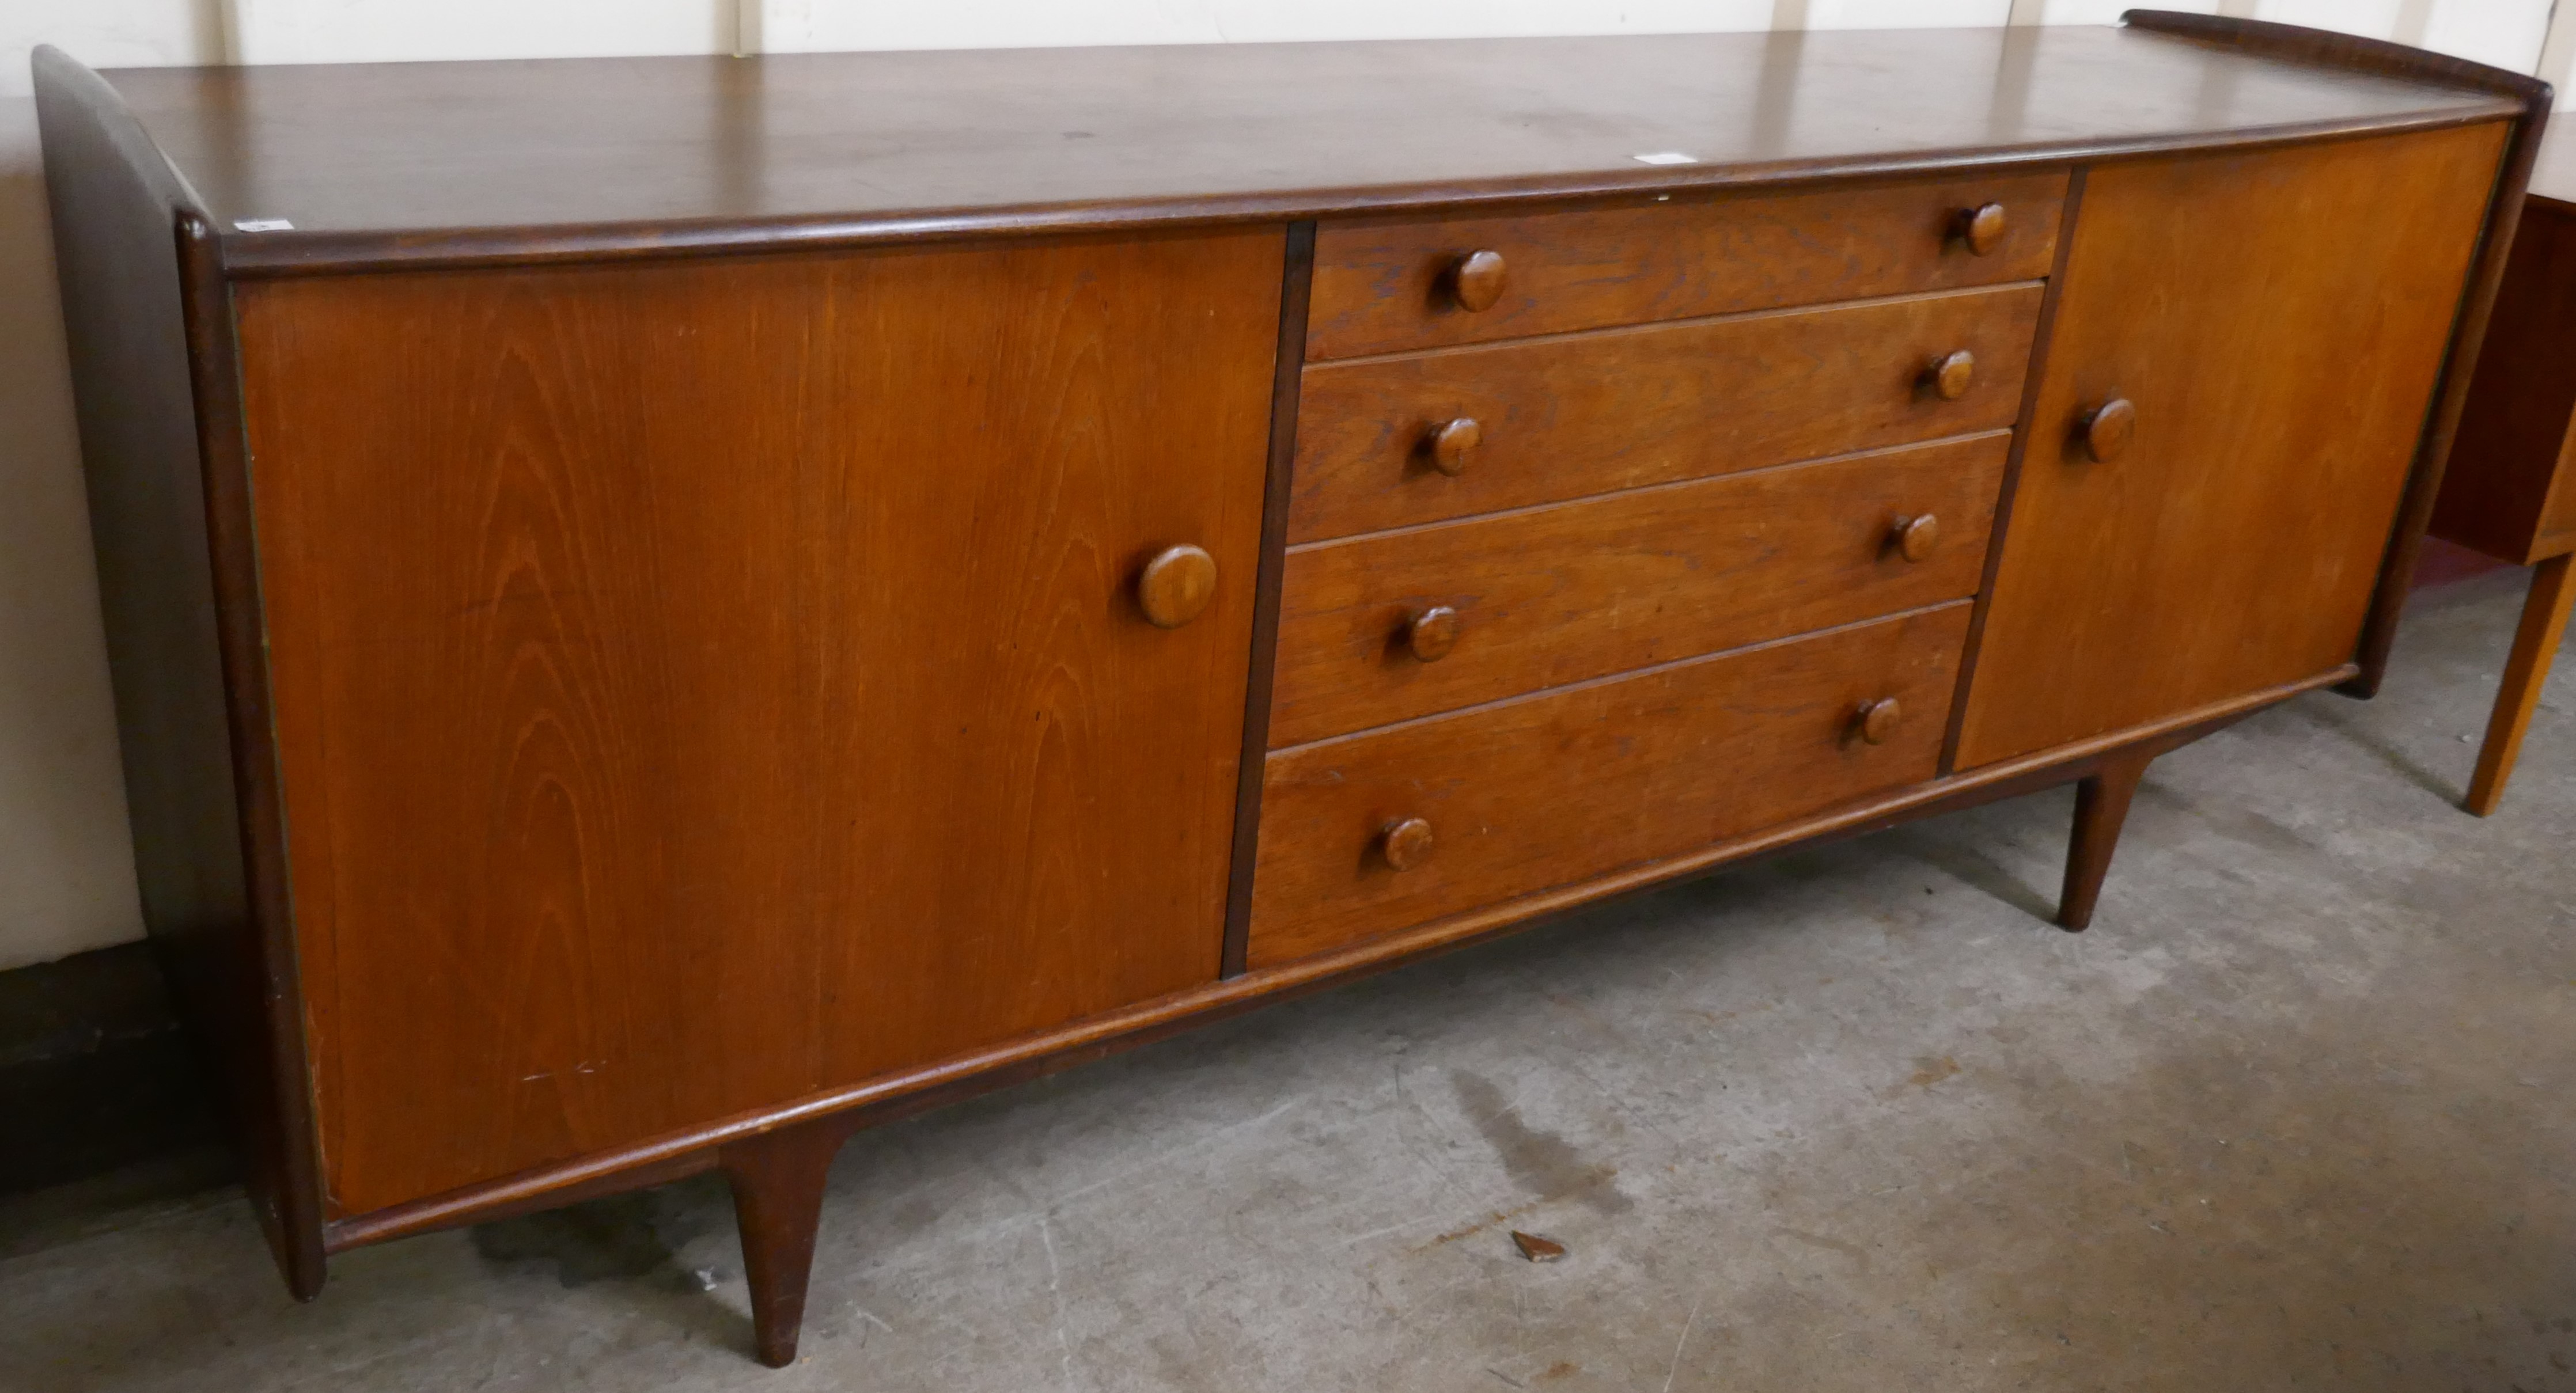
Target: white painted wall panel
<point x="2507" y="33"/>
<point x="376" y="31"/>
<point x="2376" y="18"/>
<point x="1906" y="14"/>
<point x="828" y="25"/>
<point x="108" y="33"/>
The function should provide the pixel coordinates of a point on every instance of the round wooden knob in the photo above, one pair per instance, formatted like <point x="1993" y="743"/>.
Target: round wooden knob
<point x="1915" y="537"/>
<point x="1405" y="844"/>
<point x="1452" y="442"/>
<point x="1982" y="228"/>
<point x="2108" y="428"/>
<point x="1176" y="586"/>
<point x="1876" y="720"/>
<point x="1430" y="634"/>
<point x="1950" y="375"/>
<point x="1476" y="282"/>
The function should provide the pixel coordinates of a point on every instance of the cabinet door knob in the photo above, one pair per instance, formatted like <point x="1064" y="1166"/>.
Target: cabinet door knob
<point x="1981" y="228"/>
<point x="1476" y="281"/>
<point x="1915" y="537"/>
<point x="2108" y="428"/>
<point x="1950" y="375"/>
<point x="1876" y="720"/>
<point x="1405" y="843"/>
<point x="1431" y="633"/>
<point x="1452" y="442"/>
<point x="1176" y="585"/>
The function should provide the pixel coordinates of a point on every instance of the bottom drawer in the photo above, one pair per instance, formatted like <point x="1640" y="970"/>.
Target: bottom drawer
<point x="1561" y="786"/>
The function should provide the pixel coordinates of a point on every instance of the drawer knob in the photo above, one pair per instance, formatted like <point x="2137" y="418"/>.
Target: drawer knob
<point x="1476" y="282"/>
<point x="1406" y="843"/>
<point x="1176" y="586"/>
<point x="1431" y="633"/>
<point x="1876" y="720"/>
<point x="2108" y="428"/>
<point x="1982" y="228"/>
<point x="1452" y="442"/>
<point x="1950" y="375"/>
<point x="1915" y="537"/>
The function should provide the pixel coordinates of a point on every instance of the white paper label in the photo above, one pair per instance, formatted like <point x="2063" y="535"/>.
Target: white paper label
<point x="262" y="225"/>
<point x="1666" y="157"/>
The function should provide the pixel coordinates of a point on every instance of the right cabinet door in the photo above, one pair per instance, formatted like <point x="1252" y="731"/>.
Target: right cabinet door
<point x="2273" y="323"/>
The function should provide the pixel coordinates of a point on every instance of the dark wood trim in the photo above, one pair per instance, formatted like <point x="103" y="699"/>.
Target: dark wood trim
<point x="2291" y="43"/>
<point x="1287" y="375"/>
<point x="2442" y="424"/>
<point x="148" y="317"/>
<point x="2023" y="424"/>
<point x="223" y="444"/>
<point x="250" y="255"/>
<point x="896" y="1096"/>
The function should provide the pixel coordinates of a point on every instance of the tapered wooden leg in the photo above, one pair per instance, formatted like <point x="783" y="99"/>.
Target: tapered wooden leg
<point x="2544" y="623"/>
<point x="2101" y="805"/>
<point x="777" y="1181"/>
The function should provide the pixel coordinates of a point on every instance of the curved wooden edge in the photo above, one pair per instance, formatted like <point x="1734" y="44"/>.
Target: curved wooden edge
<point x="893" y="1097"/>
<point x="2296" y="43"/>
<point x="264" y="255"/>
<point x="148" y="315"/>
<point x="2291" y="43"/>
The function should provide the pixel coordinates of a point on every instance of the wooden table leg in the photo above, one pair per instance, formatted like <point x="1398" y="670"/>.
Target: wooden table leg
<point x="2101" y="805"/>
<point x="777" y="1181"/>
<point x="2544" y="622"/>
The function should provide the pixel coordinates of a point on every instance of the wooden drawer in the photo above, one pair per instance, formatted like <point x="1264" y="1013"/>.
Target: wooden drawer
<point x="1568" y="417"/>
<point x="1385" y="286"/>
<point x="1565" y="785"/>
<point x="1546" y="596"/>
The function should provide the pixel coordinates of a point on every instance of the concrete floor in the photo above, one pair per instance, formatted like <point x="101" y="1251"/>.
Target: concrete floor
<point x="2293" y="1115"/>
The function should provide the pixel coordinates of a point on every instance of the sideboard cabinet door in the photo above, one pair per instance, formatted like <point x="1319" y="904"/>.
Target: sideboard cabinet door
<point x="2243" y="357"/>
<point x="706" y="683"/>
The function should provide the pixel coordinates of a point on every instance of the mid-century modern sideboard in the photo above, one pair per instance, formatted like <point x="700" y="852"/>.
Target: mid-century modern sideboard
<point x="664" y="610"/>
<point x="2511" y="490"/>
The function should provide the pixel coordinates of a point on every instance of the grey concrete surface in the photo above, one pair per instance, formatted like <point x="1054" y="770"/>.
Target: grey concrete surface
<point x="2294" y="1114"/>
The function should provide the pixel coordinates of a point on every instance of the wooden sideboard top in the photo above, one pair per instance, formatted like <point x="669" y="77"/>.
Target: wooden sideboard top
<point x="516" y="161"/>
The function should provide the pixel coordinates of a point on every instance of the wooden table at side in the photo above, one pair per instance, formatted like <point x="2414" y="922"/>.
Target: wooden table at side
<point x="2510" y="492"/>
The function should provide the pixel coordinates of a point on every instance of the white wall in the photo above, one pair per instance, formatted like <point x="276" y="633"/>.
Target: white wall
<point x="66" y="880"/>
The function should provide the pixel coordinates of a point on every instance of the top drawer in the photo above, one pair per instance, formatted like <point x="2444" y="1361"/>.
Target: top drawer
<point x="1381" y="287"/>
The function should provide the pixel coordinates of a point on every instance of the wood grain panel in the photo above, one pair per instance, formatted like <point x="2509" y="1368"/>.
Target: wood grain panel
<point x="1559" y="787"/>
<point x="701" y="686"/>
<point x="2279" y="320"/>
<point x="1563" y="418"/>
<point x="1384" y="286"/>
<point x="1572" y="591"/>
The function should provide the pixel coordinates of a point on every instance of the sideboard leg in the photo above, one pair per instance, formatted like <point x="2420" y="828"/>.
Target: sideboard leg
<point x="2544" y="622"/>
<point x="777" y="1181"/>
<point x="2101" y="805"/>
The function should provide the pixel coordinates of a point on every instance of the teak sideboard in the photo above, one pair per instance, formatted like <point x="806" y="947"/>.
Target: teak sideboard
<point x="664" y="610"/>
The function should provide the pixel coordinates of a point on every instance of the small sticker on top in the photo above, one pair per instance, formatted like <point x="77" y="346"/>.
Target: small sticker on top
<point x="262" y="225"/>
<point x="1666" y="157"/>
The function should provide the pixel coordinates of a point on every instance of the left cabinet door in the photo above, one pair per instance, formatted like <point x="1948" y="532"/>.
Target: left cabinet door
<point x="703" y="684"/>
